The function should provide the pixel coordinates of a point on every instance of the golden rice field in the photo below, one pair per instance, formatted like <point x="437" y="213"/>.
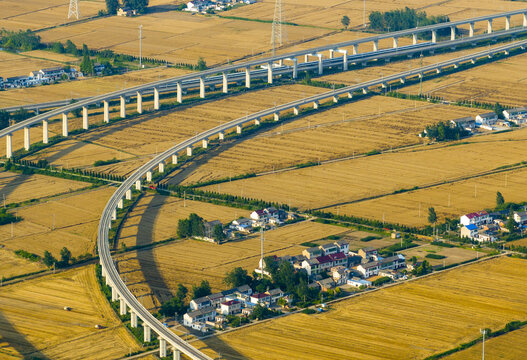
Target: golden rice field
<point x="190" y="261"/>
<point x="39" y="14"/>
<point x="329" y="13"/>
<point x="150" y="134"/>
<point x="34" y="324"/>
<point x="411" y="320"/>
<point x="74" y="89"/>
<point x="12" y="265"/>
<point x="75" y="217"/>
<point x="509" y="346"/>
<point x="15" y="187"/>
<point x="449" y="200"/>
<point x="178" y="37"/>
<point x="452" y="255"/>
<point x="503" y="81"/>
<point x="377" y="123"/>
<point x="521" y="242"/>
<point x="350" y="180"/>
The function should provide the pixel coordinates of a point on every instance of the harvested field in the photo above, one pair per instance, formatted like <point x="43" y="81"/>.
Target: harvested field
<point x="33" y="323"/>
<point x="329" y="13"/>
<point x="521" y="242"/>
<point x="508" y="346"/>
<point x="12" y="64"/>
<point x="155" y="218"/>
<point x="152" y="133"/>
<point x="504" y="81"/>
<point x="81" y="88"/>
<point x="351" y="180"/>
<point x="15" y="187"/>
<point x="156" y="270"/>
<point x="39" y="14"/>
<point x="178" y="37"/>
<point x="449" y="201"/>
<point x="405" y="321"/>
<point x="452" y="255"/>
<point x="76" y="219"/>
<point x="12" y="265"/>
<point x="377" y="123"/>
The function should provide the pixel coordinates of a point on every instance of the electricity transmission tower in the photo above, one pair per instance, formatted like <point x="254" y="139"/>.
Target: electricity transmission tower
<point x="74" y="9"/>
<point x="279" y="34"/>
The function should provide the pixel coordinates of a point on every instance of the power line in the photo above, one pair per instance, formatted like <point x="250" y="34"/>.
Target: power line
<point x="74" y="9"/>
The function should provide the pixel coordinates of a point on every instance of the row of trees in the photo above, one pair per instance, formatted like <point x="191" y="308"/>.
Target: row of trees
<point x="402" y="19"/>
<point x="19" y="40"/>
<point x="443" y="131"/>
<point x="139" y="5"/>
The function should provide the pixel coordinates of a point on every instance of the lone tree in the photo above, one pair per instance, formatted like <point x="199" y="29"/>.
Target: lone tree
<point x="499" y="199"/>
<point x="201" y="290"/>
<point x="432" y="216"/>
<point x="345" y="21"/>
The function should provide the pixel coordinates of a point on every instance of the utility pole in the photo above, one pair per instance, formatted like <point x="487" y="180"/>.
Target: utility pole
<point x="483" y="332"/>
<point x="261" y="252"/>
<point x="364" y="13"/>
<point x="140" y="39"/>
<point x="421" y="77"/>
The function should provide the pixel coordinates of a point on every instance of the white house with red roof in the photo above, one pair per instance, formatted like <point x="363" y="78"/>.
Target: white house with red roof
<point x="476" y="218"/>
<point x="230" y="307"/>
<point x="260" y="298"/>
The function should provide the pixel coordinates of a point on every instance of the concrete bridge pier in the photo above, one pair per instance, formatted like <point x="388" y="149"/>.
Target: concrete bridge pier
<point x="364" y="91"/>
<point x="161" y="167"/>
<point x="225" y="88"/>
<point x="295" y="67"/>
<point x="64" y="124"/>
<point x="204" y="143"/>
<point x="395" y="42"/>
<point x="189" y="150"/>
<point x="133" y="319"/>
<point x="402" y="80"/>
<point x="120" y="204"/>
<point x="306" y="58"/>
<point x="331" y="53"/>
<point x="174" y="159"/>
<point x="114" y="215"/>
<point x="355" y="49"/>
<point x="238" y="129"/>
<point x="438" y="70"/>
<point x="270" y="72"/>
<point x="452" y="33"/>
<point x="202" y="87"/>
<point x="128" y="194"/>
<point x="335" y="99"/>
<point x="507" y="22"/>
<point x="106" y="112"/>
<point x="114" y="294"/>
<point x="85" y="124"/>
<point x="221" y="135"/>
<point x="473" y="61"/>
<point x="320" y="64"/>
<point x="456" y="66"/>
<point x="27" y="142"/>
<point x="179" y="94"/>
<point x="257" y="121"/>
<point x="156" y="98"/>
<point x="248" y="77"/>
<point x="123" y="107"/>
<point x="148" y="176"/>
<point x="471" y="29"/>
<point x="276" y="116"/>
<point x="489" y="26"/>
<point x="434" y="36"/>
<point x="375" y="45"/>
<point x="122" y="306"/>
<point x="350" y="95"/>
<point x="138" y="185"/>
<point x="9" y="145"/>
<point x="45" y="132"/>
<point x="524" y="19"/>
<point x="344" y="59"/>
<point x="296" y="110"/>
<point x="414" y="39"/>
<point x="162" y="348"/>
<point x="177" y="354"/>
<point x="147" y="336"/>
<point x="139" y="103"/>
<point x="315" y="105"/>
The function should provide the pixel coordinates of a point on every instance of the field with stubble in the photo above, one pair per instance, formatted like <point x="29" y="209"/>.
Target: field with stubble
<point x="68" y="221"/>
<point x="406" y="321"/>
<point x="33" y="323"/>
<point x="160" y="269"/>
<point x="377" y="123"/>
<point x="355" y="179"/>
<point x="150" y="134"/>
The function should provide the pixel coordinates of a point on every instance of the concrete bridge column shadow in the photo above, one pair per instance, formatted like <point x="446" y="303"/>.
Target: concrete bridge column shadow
<point x="10" y="335"/>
